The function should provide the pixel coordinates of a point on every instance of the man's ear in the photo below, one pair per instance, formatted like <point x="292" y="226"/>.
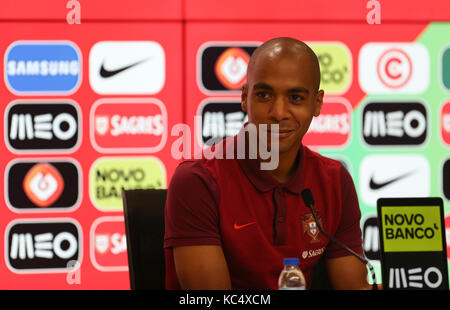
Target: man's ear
<point x="244" y="95"/>
<point x="318" y="102"/>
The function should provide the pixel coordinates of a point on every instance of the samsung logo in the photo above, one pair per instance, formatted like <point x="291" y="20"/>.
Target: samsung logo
<point x="43" y="67"/>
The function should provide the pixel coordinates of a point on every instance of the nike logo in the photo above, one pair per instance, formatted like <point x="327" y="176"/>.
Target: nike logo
<point x="109" y="73"/>
<point x="237" y="227"/>
<point x="375" y="186"/>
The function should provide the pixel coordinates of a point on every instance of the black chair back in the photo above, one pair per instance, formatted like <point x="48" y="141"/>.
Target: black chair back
<point x="320" y="280"/>
<point x="144" y="224"/>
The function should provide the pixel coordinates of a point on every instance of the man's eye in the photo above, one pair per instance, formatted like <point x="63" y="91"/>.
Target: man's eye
<point x="297" y="98"/>
<point x="262" y="94"/>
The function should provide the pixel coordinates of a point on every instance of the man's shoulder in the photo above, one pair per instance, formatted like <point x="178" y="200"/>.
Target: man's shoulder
<point x="191" y="177"/>
<point x="205" y="169"/>
<point x="321" y="160"/>
<point x="190" y="168"/>
<point x="190" y="164"/>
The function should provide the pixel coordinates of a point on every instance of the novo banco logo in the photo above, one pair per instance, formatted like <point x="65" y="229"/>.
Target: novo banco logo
<point x="336" y="67"/>
<point x="108" y="176"/>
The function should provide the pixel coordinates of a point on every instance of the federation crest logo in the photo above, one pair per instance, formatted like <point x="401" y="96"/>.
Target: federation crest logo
<point x="310" y="227"/>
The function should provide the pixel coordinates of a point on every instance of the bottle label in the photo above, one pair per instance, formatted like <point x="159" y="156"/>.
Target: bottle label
<point x="300" y="288"/>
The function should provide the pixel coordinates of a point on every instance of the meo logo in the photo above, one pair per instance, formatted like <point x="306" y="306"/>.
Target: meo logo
<point x="42" y="126"/>
<point x="42" y="245"/>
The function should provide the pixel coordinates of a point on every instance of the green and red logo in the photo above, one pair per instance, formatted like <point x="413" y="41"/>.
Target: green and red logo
<point x="311" y="229"/>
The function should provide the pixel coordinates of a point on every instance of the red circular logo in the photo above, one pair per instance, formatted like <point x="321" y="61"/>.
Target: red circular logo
<point x="394" y="68"/>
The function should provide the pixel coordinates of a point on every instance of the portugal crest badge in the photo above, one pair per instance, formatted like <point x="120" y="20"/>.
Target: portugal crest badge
<point x="310" y="227"/>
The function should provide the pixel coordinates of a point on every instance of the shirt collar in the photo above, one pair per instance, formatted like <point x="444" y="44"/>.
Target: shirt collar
<point x="262" y="180"/>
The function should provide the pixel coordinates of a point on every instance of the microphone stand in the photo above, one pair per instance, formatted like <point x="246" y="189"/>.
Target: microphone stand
<point x="310" y="205"/>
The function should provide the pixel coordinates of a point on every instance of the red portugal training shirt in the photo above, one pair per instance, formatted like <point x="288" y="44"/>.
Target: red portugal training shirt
<point x="257" y="220"/>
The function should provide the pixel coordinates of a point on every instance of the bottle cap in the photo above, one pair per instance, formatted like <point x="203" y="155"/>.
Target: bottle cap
<point x="291" y="261"/>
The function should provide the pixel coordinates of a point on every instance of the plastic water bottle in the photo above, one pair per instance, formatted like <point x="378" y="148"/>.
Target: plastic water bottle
<point x="291" y="277"/>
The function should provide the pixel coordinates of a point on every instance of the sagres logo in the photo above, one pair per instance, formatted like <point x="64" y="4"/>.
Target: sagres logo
<point x="220" y="119"/>
<point x="43" y="186"/>
<point x="371" y="238"/>
<point x="108" y="245"/>
<point x="42" y="126"/>
<point x="336" y="67"/>
<point x="393" y="176"/>
<point x="333" y="126"/>
<point x="394" y="68"/>
<point x="127" y="67"/>
<point x="42" y="245"/>
<point x="109" y="175"/>
<point x="445" y="122"/>
<point x="222" y="66"/>
<point x="394" y="123"/>
<point x="43" y="67"/>
<point x="128" y="125"/>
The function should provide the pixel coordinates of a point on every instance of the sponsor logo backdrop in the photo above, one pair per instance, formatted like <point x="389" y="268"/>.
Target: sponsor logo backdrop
<point x="88" y="110"/>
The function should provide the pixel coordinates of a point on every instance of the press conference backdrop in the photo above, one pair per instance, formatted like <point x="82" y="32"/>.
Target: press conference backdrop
<point x="89" y="109"/>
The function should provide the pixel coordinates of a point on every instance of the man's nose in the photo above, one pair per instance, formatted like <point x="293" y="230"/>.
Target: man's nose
<point x="279" y="109"/>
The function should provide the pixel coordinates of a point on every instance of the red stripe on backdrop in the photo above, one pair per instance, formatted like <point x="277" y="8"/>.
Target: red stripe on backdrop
<point x="155" y="10"/>
<point x="317" y="10"/>
<point x="230" y="10"/>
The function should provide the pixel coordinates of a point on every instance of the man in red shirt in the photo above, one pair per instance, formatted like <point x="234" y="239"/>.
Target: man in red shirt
<point x="229" y="224"/>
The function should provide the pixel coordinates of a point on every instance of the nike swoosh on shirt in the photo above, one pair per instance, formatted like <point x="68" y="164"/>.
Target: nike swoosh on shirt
<point x="109" y="73"/>
<point x="237" y="227"/>
<point x="375" y="185"/>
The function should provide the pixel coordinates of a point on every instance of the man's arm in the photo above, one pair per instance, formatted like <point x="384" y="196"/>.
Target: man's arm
<point x="201" y="267"/>
<point x="347" y="273"/>
<point x="192" y="229"/>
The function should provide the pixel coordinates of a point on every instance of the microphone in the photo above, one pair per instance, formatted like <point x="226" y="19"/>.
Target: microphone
<point x="309" y="202"/>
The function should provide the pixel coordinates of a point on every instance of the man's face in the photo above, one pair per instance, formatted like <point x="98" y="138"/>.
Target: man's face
<point x="283" y="91"/>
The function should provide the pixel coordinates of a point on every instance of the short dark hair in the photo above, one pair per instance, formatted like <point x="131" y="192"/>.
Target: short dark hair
<point x="295" y="46"/>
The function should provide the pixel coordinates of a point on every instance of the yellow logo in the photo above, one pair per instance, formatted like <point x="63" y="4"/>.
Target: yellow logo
<point x="411" y="229"/>
<point x="335" y="62"/>
<point x="109" y="175"/>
